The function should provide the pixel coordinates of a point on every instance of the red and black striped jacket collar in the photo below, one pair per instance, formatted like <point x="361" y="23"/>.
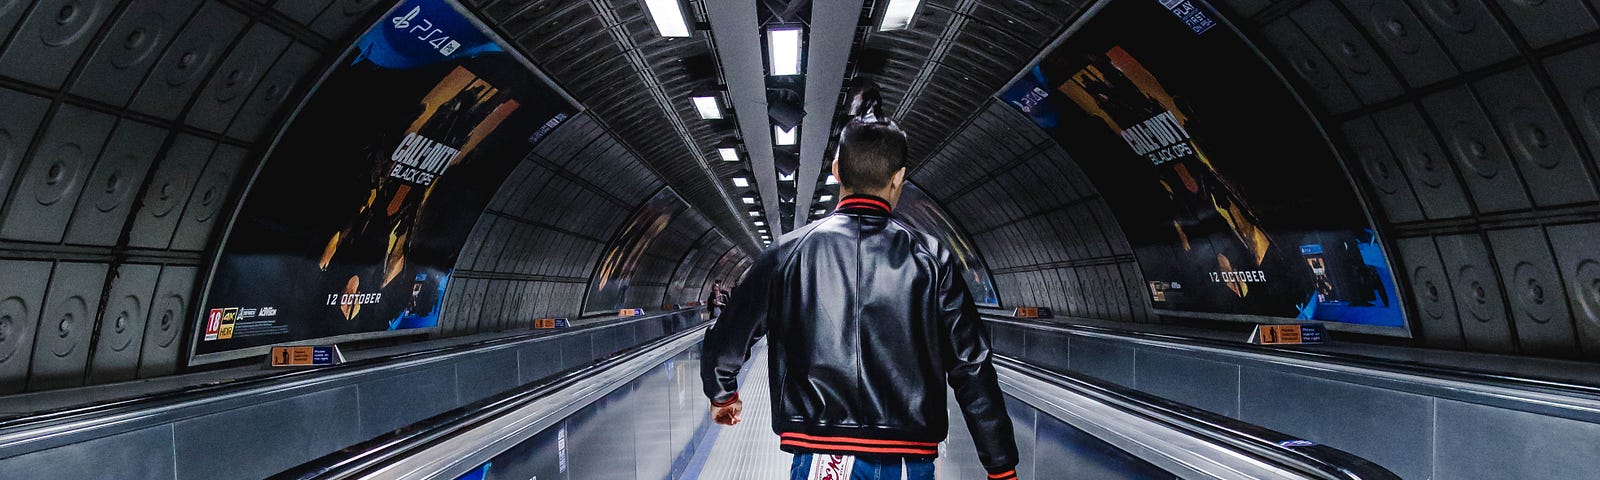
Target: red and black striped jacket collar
<point x="863" y="203"/>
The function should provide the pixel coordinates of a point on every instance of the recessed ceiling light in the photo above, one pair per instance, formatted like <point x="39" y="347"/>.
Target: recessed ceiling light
<point x="897" y="16"/>
<point x="741" y="182"/>
<point x="786" y="178"/>
<point x="818" y="212"/>
<point x="728" y="154"/>
<point x="784" y="137"/>
<point x="831" y="180"/>
<point x="760" y="223"/>
<point x="825" y="198"/>
<point x="668" y="17"/>
<point x="783" y="50"/>
<point x="755" y="213"/>
<point x="708" y="107"/>
<point x="748" y="200"/>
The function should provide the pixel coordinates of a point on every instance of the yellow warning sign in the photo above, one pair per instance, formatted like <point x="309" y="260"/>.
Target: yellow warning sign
<point x="292" y="356"/>
<point x="1280" y="334"/>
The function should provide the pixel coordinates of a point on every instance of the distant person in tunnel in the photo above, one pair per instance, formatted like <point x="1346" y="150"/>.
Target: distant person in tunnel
<point x="867" y="320"/>
<point x="716" y="300"/>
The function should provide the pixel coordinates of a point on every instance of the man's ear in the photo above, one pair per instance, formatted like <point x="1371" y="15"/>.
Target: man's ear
<point x="834" y="168"/>
<point x="899" y="177"/>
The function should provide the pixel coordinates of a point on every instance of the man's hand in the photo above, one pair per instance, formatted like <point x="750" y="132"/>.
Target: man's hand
<point x="727" y="414"/>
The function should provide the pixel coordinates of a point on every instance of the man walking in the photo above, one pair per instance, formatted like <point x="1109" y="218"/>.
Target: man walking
<point x="866" y="321"/>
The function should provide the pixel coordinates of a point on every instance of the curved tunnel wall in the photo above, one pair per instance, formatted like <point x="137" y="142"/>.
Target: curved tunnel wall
<point x="1469" y="126"/>
<point x="130" y="128"/>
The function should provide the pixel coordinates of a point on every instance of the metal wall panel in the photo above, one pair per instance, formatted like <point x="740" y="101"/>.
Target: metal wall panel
<point x="50" y="182"/>
<point x="169" y="313"/>
<point x="1470" y="140"/>
<point x="188" y="60"/>
<point x="1477" y="293"/>
<point x="108" y="194"/>
<point x="48" y="43"/>
<point x="200" y="217"/>
<point x="1544" y="150"/>
<point x="122" y="323"/>
<point x="115" y="69"/>
<point x="21" y="305"/>
<point x="1577" y="257"/>
<point x="225" y="94"/>
<point x="169" y="191"/>
<point x="1534" y="290"/>
<point x="1327" y="28"/>
<point x="1432" y="177"/>
<point x="61" y="348"/>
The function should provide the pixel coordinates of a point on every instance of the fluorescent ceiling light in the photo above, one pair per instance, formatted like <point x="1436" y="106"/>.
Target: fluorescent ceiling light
<point x="755" y="213"/>
<point x="708" y="107"/>
<point x="783" y="51"/>
<point x="818" y="212"/>
<point x="761" y="230"/>
<point x="831" y="180"/>
<point x="786" y="178"/>
<point x="898" y="15"/>
<point x="766" y="237"/>
<point x="825" y="198"/>
<point x="729" y="154"/>
<point x="741" y="182"/>
<point x="760" y="223"/>
<point x="749" y="200"/>
<point x="668" y="17"/>
<point x="784" y="137"/>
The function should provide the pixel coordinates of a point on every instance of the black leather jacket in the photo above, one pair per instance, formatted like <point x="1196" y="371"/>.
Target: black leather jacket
<point x="866" y="320"/>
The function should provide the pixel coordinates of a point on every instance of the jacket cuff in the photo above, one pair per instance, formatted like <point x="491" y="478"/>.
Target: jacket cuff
<point x="724" y="403"/>
<point x="1007" y="474"/>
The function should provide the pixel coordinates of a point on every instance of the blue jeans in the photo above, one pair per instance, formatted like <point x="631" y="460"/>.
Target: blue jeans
<point x="817" y="466"/>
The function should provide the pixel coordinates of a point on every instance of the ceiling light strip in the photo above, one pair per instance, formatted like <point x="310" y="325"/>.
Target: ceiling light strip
<point x="833" y="33"/>
<point x="740" y="50"/>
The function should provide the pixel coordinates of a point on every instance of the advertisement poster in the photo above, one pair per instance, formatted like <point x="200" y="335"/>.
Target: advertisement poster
<point x="919" y="210"/>
<point x="609" y="287"/>
<point x="1234" y="202"/>
<point x="354" y="221"/>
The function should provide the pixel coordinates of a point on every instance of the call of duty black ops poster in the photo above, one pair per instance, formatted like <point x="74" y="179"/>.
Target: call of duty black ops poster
<point x="354" y="221"/>
<point x="1234" y="202"/>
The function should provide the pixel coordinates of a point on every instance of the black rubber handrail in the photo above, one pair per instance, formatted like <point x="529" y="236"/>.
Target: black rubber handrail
<point x="35" y="420"/>
<point x="1276" y="448"/>
<point x="1348" y="359"/>
<point x="363" y="457"/>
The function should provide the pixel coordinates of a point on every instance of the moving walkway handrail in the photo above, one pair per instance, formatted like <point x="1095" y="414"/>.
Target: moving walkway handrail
<point x="1279" y="449"/>
<point x="360" y="459"/>
<point x="1362" y="361"/>
<point x="31" y="426"/>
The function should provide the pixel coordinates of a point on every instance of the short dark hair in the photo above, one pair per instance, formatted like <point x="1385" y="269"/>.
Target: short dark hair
<point x="871" y="146"/>
<point x="870" y="151"/>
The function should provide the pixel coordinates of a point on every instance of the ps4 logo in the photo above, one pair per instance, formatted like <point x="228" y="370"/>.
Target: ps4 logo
<point x="409" y="22"/>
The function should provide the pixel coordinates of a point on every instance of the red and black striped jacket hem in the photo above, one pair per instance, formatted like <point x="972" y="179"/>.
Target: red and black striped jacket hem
<point x="803" y="443"/>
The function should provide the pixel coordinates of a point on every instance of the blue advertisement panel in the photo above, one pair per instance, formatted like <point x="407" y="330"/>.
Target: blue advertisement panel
<point x="919" y="210"/>
<point x="1235" y="203"/>
<point x="353" y="222"/>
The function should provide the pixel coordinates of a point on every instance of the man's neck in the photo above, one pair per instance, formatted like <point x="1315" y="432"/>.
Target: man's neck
<point x="885" y="194"/>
